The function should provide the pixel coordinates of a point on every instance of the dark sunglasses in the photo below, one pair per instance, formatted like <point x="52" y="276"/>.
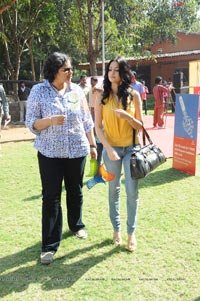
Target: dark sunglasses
<point x="67" y="69"/>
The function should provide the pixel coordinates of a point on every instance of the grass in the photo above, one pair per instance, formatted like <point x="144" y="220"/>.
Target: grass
<point x="165" y="266"/>
<point x="150" y="104"/>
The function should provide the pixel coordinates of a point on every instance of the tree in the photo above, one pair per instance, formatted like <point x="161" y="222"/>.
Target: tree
<point x="89" y="14"/>
<point x="5" y="7"/>
<point x="34" y="28"/>
<point x="19" y="26"/>
<point x="141" y="23"/>
<point x="130" y="26"/>
<point x="164" y="20"/>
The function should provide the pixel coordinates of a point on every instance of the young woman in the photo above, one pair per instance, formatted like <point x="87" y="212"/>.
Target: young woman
<point x="118" y="118"/>
<point x="58" y="113"/>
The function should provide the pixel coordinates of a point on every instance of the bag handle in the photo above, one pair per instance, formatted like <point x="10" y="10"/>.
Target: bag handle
<point x="144" y="136"/>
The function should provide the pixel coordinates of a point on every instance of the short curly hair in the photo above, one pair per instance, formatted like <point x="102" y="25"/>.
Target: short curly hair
<point x="53" y="63"/>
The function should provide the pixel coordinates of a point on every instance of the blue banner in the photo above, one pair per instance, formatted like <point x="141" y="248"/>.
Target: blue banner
<point x="186" y="120"/>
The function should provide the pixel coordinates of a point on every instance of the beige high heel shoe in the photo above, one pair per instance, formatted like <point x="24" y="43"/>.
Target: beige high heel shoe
<point x="117" y="240"/>
<point x="132" y="243"/>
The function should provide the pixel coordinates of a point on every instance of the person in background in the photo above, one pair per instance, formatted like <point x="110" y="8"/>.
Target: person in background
<point x="144" y="97"/>
<point x="4" y="106"/>
<point x="93" y="93"/>
<point x="23" y="93"/>
<point x="4" y="109"/>
<point x="118" y="119"/>
<point x="165" y="96"/>
<point x="173" y="97"/>
<point x="136" y="85"/>
<point x="160" y="92"/>
<point x="58" y="113"/>
<point x="84" y="86"/>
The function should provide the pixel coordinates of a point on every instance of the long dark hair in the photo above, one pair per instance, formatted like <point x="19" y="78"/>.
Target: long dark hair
<point x="125" y="75"/>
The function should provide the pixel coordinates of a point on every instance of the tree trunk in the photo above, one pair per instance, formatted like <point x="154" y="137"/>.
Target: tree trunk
<point x="2" y="9"/>
<point x="91" y="49"/>
<point x="30" y="44"/>
<point x="10" y="69"/>
<point x="93" y="67"/>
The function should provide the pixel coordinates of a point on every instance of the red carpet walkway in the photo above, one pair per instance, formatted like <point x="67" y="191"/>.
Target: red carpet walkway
<point x="164" y="138"/>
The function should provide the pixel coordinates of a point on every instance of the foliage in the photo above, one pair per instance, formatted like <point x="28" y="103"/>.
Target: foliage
<point x="142" y="23"/>
<point x="38" y="27"/>
<point x="21" y="23"/>
<point x="164" y="20"/>
<point x="84" y="30"/>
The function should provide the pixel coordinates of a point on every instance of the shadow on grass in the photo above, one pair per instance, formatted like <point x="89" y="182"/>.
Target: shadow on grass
<point x="32" y="198"/>
<point x="159" y="177"/>
<point x="58" y="275"/>
<point x="38" y="197"/>
<point x="197" y="299"/>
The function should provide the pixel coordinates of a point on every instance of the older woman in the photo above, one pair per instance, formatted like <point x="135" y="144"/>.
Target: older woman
<point x="118" y="115"/>
<point x="57" y="112"/>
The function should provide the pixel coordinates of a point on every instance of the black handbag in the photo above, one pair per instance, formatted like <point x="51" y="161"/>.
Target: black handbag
<point x="145" y="159"/>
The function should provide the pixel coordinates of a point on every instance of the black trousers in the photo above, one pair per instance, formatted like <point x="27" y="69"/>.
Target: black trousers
<point x="52" y="172"/>
<point x="144" y="105"/>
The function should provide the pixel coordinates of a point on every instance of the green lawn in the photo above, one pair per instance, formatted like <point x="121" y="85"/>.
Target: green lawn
<point x="165" y="266"/>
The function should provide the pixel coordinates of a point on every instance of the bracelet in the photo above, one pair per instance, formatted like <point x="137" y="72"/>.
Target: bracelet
<point x="93" y="146"/>
<point x="51" y="123"/>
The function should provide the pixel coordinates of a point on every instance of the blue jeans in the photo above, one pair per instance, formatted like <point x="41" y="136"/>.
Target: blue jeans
<point x="115" y="167"/>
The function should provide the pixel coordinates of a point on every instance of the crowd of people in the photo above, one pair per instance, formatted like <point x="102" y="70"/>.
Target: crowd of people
<point x="71" y="121"/>
<point x="165" y="96"/>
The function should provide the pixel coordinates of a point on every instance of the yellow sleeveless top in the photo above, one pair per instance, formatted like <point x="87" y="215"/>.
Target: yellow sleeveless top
<point x="118" y="131"/>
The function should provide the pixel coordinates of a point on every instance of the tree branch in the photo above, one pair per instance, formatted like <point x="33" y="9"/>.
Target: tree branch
<point x="7" y="7"/>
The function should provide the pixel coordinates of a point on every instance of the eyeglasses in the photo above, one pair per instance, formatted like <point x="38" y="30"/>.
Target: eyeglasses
<point x="67" y="69"/>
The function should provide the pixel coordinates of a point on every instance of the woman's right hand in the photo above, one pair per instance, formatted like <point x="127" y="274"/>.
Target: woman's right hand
<point x="43" y="123"/>
<point x="112" y="154"/>
<point x="58" y="119"/>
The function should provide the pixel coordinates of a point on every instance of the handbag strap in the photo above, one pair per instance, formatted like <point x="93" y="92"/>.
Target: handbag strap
<point x="133" y="136"/>
<point x="145" y="135"/>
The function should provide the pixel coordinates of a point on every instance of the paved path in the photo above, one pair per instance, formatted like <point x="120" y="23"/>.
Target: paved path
<point x="16" y="133"/>
<point x="162" y="137"/>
